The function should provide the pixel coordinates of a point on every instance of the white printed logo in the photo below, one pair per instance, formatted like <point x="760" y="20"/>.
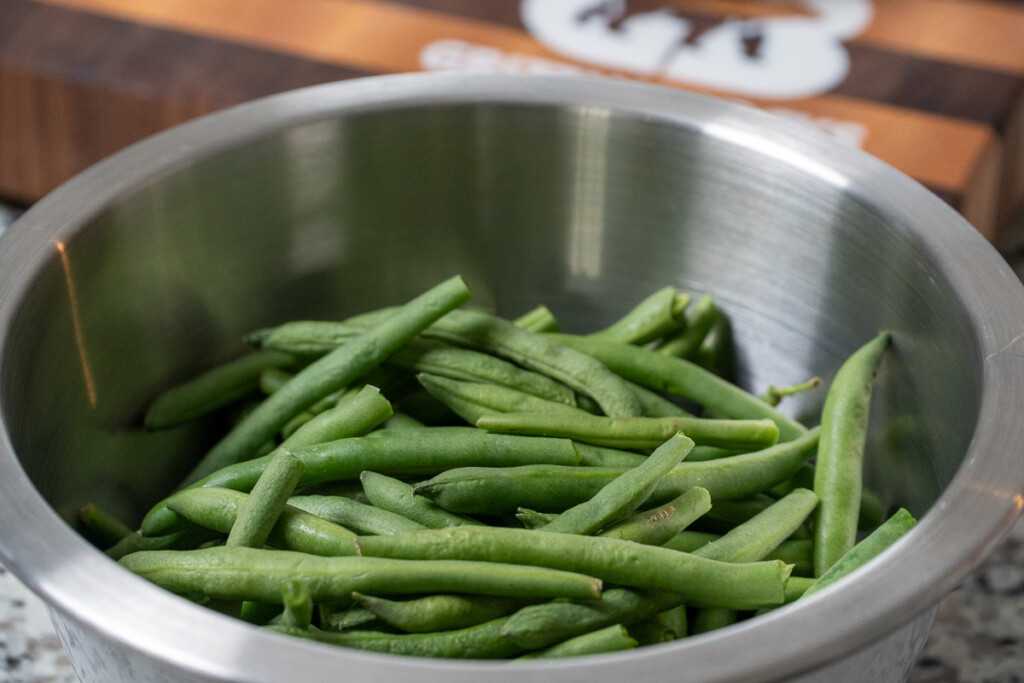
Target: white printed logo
<point x="796" y="50"/>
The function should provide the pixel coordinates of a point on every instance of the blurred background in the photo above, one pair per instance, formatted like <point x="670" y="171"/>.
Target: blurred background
<point x="932" y="87"/>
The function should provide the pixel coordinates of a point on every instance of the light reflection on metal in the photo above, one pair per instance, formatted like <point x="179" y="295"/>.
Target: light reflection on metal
<point x="76" y="322"/>
<point x="589" y="191"/>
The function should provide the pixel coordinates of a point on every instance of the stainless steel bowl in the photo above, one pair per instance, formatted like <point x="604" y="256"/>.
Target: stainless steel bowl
<point x="583" y="194"/>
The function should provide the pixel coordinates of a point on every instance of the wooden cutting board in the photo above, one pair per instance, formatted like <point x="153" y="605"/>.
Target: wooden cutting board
<point x="933" y="87"/>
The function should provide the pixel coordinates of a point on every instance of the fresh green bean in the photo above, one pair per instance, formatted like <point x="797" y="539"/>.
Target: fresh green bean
<point x="252" y="574"/>
<point x="351" y="514"/>
<point x="634" y="432"/>
<point x="676" y="621"/>
<point x="549" y="488"/>
<point x="395" y="452"/>
<point x="654" y="317"/>
<point x="298" y="605"/>
<point x="355" y="414"/>
<point x="347" y="619"/>
<point x="650" y="631"/>
<point x="755" y="538"/>
<point x="539" y="319"/>
<point x="540" y="353"/>
<point x="704" y="582"/>
<point x="531" y="519"/>
<point x="717" y="352"/>
<point x="215" y="388"/>
<point x="401" y="421"/>
<point x="624" y="494"/>
<point x="877" y="541"/>
<point x="472" y="400"/>
<point x="666" y="373"/>
<point x="610" y="639"/>
<point x="355" y="358"/>
<point x="398" y="497"/>
<point x="838" y="473"/>
<point x="101" y="527"/>
<point x="483" y="641"/>
<point x="687" y="540"/>
<point x="797" y="552"/>
<point x="273" y="379"/>
<point x="698" y="322"/>
<point x="262" y="508"/>
<point x="657" y="526"/>
<point x="441" y="612"/>
<point x="295" y="529"/>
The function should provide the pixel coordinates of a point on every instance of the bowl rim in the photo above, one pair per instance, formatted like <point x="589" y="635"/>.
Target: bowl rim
<point x="980" y="505"/>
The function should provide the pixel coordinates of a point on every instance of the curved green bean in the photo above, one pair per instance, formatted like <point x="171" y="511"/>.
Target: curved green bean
<point x="659" y="525"/>
<point x="472" y="400"/>
<point x="838" y="476"/>
<point x="633" y="432"/>
<point x="702" y="582"/>
<point x="698" y="323"/>
<point x="251" y="574"/>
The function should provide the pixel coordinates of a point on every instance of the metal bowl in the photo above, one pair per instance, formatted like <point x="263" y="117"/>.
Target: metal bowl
<point x="583" y="194"/>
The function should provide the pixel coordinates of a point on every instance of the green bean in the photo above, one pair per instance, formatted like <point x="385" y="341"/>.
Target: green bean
<point x="704" y="582"/>
<point x="624" y="494"/>
<point x="260" y="613"/>
<point x="351" y="514"/>
<point x="634" y="432"/>
<point x="187" y="538"/>
<point x="483" y="641"/>
<point x="839" y="469"/>
<point x="394" y="452"/>
<point x="774" y="395"/>
<point x="252" y="574"/>
<point x="215" y="388"/>
<point x="706" y="620"/>
<point x="540" y="353"/>
<point x="610" y="639"/>
<point x="298" y="605"/>
<point x="295" y="529"/>
<point x="549" y="488"/>
<point x="355" y="414"/>
<point x="797" y="552"/>
<point x="705" y="453"/>
<point x="101" y="527"/>
<point x="654" y="317"/>
<point x="599" y="456"/>
<point x="877" y="541"/>
<point x="665" y="373"/>
<point x="262" y="508"/>
<point x="657" y="526"/>
<point x="698" y="322"/>
<point x="358" y="356"/>
<point x="398" y="497"/>
<point x="472" y="400"/>
<point x="442" y="612"/>
<point x="538" y="319"/>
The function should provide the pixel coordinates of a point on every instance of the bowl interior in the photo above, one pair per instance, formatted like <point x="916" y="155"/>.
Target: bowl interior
<point x="583" y="209"/>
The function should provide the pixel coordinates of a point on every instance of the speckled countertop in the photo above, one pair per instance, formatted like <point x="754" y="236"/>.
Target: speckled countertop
<point x="977" y="636"/>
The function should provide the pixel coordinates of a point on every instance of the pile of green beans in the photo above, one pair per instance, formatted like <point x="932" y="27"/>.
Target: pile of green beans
<point x="433" y="481"/>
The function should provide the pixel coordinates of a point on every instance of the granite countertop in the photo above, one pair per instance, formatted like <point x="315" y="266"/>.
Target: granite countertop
<point x="977" y="636"/>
